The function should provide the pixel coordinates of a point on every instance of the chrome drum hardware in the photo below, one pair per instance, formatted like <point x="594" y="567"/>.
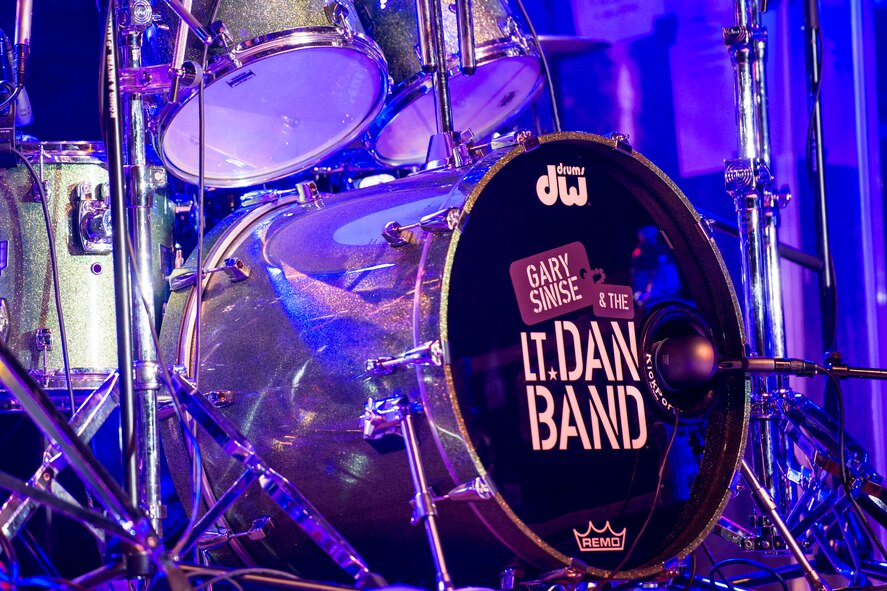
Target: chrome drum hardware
<point x="518" y="342"/>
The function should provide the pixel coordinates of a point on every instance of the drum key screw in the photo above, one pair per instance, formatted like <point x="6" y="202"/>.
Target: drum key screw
<point x="43" y="339"/>
<point x="621" y="142"/>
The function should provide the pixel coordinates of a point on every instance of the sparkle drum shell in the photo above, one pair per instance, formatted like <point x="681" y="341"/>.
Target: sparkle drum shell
<point x="508" y="76"/>
<point x="548" y="402"/>
<point x="298" y="84"/>
<point x="71" y="172"/>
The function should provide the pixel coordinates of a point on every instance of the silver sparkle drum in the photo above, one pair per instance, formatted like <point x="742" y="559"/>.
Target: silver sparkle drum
<point x="544" y="274"/>
<point x="507" y="78"/>
<point x="298" y="81"/>
<point x="75" y="177"/>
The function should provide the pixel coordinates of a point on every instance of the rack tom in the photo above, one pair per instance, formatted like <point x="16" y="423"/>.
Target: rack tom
<point x="507" y="78"/>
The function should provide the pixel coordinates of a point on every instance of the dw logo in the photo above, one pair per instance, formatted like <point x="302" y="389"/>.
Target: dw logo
<point x="600" y="540"/>
<point x="552" y="185"/>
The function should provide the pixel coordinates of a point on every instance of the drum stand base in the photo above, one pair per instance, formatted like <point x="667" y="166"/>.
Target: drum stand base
<point x="768" y="507"/>
<point x="282" y="491"/>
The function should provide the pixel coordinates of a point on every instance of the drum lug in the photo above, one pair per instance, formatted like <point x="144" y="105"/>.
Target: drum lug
<point x="430" y="353"/>
<point x="620" y="142"/>
<point x="4" y="320"/>
<point x="216" y="538"/>
<point x="445" y="220"/>
<point x="222" y="35"/>
<point x="382" y="417"/>
<point x="337" y="14"/>
<point x="510" y="29"/>
<point x="471" y="492"/>
<point x="94" y="221"/>
<point x="522" y="137"/>
<point x="303" y="193"/>
<point x="233" y="267"/>
<point x="43" y="339"/>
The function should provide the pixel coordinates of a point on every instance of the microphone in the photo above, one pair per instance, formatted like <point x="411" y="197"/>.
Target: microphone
<point x="684" y="362"/>
<point x="23" y="12"/>
<point x="771" y="365"/>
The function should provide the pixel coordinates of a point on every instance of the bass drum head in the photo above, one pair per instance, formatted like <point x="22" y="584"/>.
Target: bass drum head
<point x="571" y="258"/>
<point x="276" y="114"/>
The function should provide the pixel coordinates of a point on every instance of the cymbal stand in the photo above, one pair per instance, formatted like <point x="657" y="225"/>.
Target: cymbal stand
<point x="141" y="443"/>
<point x="778" y="425"/>
<point x="125" y="520"/>
<point x="750" y="183"/>
<point x="447" y="147"/>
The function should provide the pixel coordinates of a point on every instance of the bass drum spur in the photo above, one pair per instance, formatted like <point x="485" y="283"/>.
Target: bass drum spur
<point x="296" y="81"/>
<point x="544" y="274"/>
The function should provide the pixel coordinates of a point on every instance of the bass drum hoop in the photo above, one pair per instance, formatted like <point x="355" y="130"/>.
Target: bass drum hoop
<point x="443" y="409"/>
<point x="258" y="49"/>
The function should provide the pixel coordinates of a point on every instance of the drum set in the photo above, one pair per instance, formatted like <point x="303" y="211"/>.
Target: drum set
<point x="528" y="345"/>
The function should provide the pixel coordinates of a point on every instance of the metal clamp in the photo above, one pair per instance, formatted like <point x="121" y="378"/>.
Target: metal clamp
<point x="445" y="220"/>
<point x="185" y="277"/>
<point x="93" y="220"/>
<point x="430" y="353"/>
<point x="302" y="193"/>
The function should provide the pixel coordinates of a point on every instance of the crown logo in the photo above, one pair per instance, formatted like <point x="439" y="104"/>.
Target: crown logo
<point x="600" y="540"/>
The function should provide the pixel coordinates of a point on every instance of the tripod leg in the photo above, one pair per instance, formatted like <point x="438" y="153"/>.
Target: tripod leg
<point x="55" y="427"/>
<point x="282" y="491"/>
<point x="766" y="504"/>
<point x="18" y="508"/>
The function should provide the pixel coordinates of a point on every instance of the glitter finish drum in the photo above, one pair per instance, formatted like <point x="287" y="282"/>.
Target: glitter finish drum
<point x="507" y="78"/>
<point x="297" y="82"/>
<point x="543" y="275"/>
<point x="75" y="177"/>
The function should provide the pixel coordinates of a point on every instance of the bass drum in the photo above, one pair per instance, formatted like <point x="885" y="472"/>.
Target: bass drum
<point x="570" y="257"/>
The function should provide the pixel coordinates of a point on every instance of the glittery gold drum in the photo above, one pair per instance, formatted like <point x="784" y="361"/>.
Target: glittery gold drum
<point x="75" y="177"/>
<point x="507" y="78"/>
<point x="297" y="82"/>
<point x="541" y="275"/>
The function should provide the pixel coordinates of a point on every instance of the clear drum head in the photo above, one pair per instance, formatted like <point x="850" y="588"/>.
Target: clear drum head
<point x="298" y="100"/>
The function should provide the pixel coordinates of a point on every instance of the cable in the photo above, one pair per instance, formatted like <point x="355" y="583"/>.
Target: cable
<point x="229" y="576"/>
<point x="655" y="500"/>
<point x="714" y="566"/>
<point x="842" y="461"/>
<point x="556" y="119"/>
<point x="694" y="565"/>
<point x="50" y="237"/>
<point x="728" y="561"/>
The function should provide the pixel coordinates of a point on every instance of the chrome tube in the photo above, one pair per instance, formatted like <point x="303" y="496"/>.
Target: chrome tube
<point x="749" y="181"/>
<point x="139" y="192"/>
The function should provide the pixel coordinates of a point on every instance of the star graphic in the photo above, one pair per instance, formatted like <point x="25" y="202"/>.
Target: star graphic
<point x="552" y="374"/>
